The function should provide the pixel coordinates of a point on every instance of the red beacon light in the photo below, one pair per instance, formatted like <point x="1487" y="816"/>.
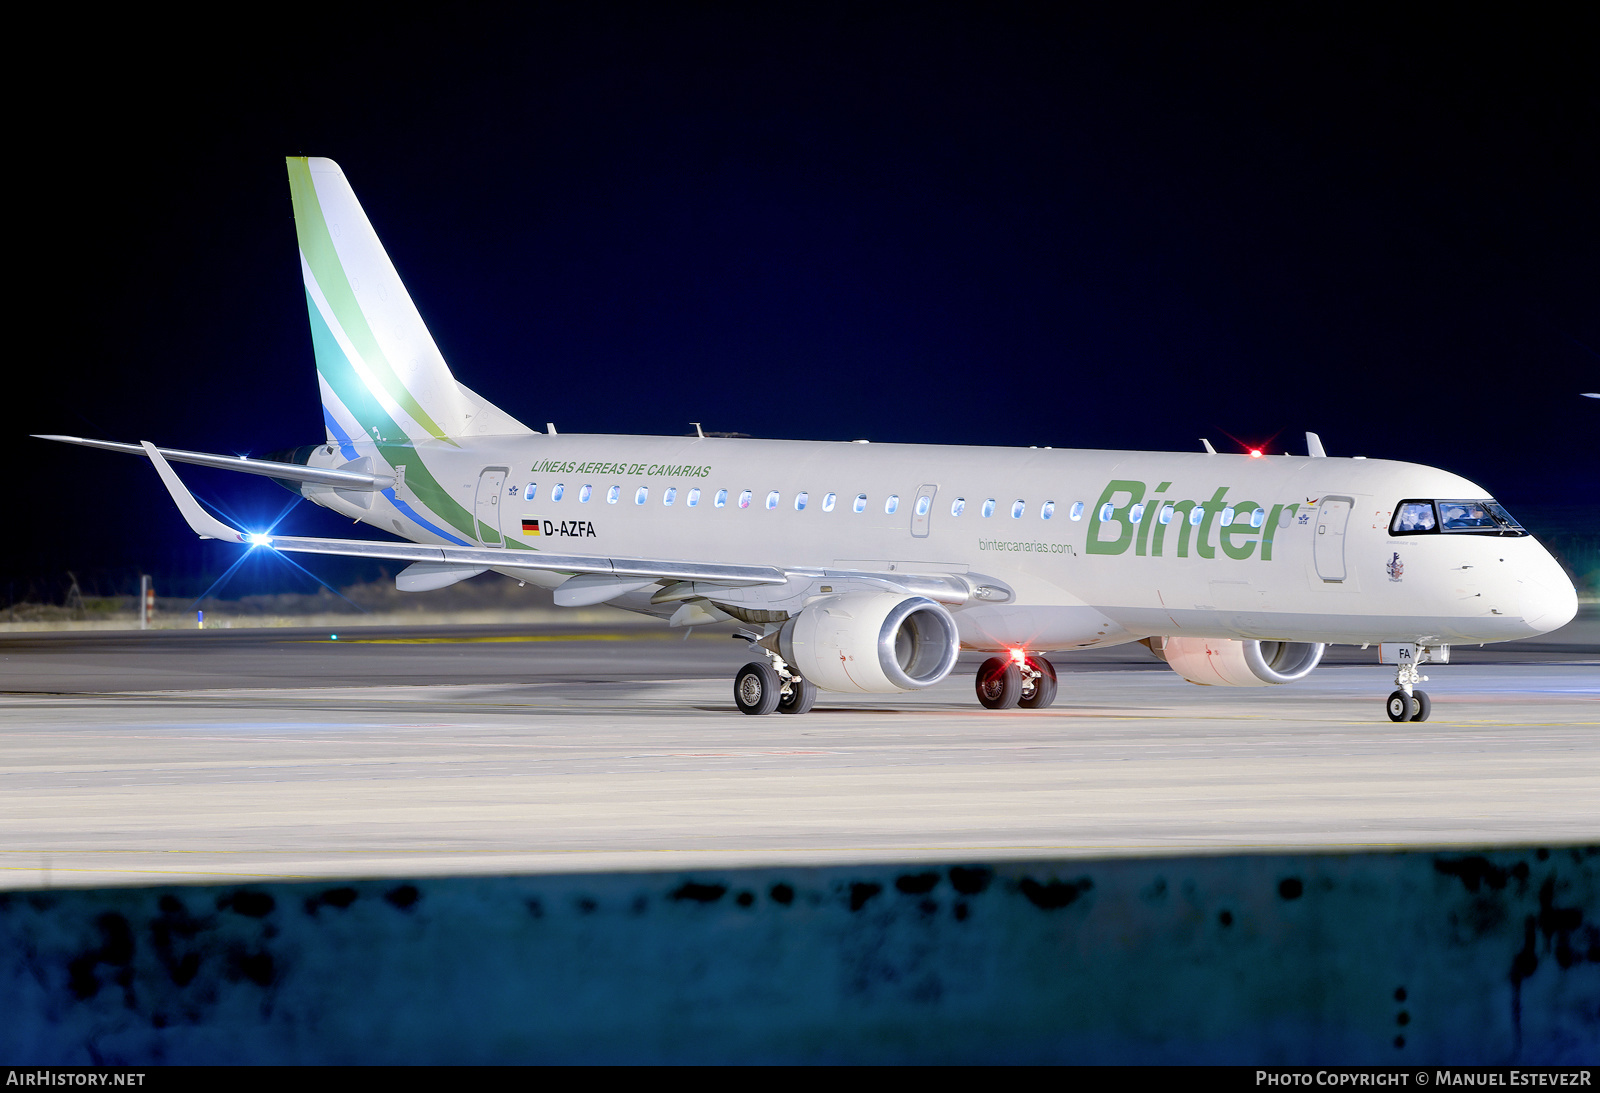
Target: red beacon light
<point x="1255" y="453"/>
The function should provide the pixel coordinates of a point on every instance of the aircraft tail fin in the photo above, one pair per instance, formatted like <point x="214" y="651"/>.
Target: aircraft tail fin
<point x="380" y="373"/>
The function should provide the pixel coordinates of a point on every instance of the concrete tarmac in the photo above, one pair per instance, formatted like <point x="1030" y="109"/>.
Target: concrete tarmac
<point x="220" y="755"/>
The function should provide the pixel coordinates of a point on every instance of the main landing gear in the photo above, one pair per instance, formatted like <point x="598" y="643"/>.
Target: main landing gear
<point x="1004" y="682"/>
<point x="766" y="685"/>
<point x="1407" y="703"/>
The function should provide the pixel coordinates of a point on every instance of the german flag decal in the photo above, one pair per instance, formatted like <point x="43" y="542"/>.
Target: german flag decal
<point x="530" y="525"/>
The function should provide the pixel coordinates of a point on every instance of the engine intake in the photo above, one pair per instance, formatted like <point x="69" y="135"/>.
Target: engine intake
<point x="871" y="642"/>
<point x="1226" y="662"/>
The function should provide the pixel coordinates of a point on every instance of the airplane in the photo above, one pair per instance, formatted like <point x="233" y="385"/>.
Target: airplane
<point x="866" y="568"/>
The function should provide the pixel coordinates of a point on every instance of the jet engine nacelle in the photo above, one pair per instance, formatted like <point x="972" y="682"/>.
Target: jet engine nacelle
<point x="876" y="642"/>
<point x="1223" y="662"/>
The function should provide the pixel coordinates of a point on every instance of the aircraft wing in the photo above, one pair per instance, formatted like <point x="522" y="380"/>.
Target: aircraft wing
<point x="291" y="472"/>
<point x="641" y="571"/>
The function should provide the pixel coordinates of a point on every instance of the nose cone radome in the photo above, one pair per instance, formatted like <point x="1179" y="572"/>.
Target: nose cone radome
<point x="1549" y="601"/>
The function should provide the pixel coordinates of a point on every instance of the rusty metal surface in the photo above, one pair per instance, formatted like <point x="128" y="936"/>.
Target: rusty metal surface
<point x="1420" y="958"/>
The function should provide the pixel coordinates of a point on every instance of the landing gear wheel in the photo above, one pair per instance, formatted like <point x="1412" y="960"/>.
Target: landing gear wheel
<point x="999" y="683"/>
<point x="755" y="688"/>
<point x="1424" y="707"/>
<point x="802" y="694"/>
<point x="1400" y="707"/>
<point x="1042" y="691"/>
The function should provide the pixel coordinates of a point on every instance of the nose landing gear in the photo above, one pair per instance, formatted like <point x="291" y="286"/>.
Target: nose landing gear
<point x="1407" y="703"/>
<point x="1004" y="682"/>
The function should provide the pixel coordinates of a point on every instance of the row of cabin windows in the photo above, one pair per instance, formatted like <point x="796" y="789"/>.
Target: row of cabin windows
<point x="891" y="504"/>
<point x="1019" y="508"/>
<point x="1254" y="517"/>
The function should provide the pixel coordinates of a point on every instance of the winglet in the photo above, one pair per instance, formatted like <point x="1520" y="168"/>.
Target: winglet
<point x="1314" y="446"/>
<point x="204" y="524"/>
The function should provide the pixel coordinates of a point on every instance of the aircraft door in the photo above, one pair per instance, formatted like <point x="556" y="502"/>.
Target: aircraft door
<point x="491" y="483"/>
<point x="922" y="511"/>
<point x="1333" y="516"/>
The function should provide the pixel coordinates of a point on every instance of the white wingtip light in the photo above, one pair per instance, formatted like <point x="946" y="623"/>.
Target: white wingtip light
<point x="204" y="524"/>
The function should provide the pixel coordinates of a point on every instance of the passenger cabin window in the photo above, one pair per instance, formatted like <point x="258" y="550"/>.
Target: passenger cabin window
<point x="694" y="497"/>
<point x="1018" y="507"/>
<point x="722" y="499"/>
<point x="1257" y="517"/>
<point x="1195" y="516"/>
<point x="1227" y="516"/>
<point x="612" y="494"/>
<point x="1136" y="513"/>
<point x="800" y="500"/>
<point x="531" y="489"/>
<point x="772" y="499"/>
<point x="555" y="494"/>
<point x="744" y="499"/>
<point x="988" y="508"/>
<point x="1166" y="515"/>
<point x="958" y="506"/>
<point x="827" y="502"/>
<point x="923" y="504"/>
<point x="585" y="493"/>
<point x="892" y="504"/>
<point x="642" y="496"/>
<point x="1047" y="510"/>
<point x="670" y="495"/>
<point x="860" y="503"/>
<point x="1077" y="511"/>
<point x="1106" y="510"/>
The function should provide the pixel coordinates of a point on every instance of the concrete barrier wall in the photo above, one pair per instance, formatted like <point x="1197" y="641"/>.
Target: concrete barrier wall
<point x="1454" y="958"/>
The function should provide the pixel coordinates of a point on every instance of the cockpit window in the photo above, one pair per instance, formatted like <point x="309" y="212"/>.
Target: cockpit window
<point x="1507" y="521"/>
<point x="1480" y="516"/>
<point x="1415" y="517"/>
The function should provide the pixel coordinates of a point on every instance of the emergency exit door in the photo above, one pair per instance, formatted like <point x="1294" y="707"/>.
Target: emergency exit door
<point x="491" y="484"/>
<point x="1327" y="549"/>
<point x="922" y="511"/>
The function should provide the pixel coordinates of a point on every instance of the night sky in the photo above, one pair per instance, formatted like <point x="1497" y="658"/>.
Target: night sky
<point x="1112" y="226"/>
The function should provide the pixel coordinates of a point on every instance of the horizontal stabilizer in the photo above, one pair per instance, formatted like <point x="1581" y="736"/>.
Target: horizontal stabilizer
<point x="292" y="472"/>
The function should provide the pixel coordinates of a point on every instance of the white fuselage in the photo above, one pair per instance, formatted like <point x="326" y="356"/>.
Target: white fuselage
<point x="1322" y="566"/>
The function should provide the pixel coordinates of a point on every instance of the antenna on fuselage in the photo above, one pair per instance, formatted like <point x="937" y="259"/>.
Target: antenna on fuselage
<point x="550" y="427"/>
<point x="1314" y="446"/>
<point x="697" y="430"/>
<point x="1209" y="449"/>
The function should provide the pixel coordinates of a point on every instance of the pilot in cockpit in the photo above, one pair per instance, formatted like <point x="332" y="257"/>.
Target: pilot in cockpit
<point x="1416" y="517"/>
